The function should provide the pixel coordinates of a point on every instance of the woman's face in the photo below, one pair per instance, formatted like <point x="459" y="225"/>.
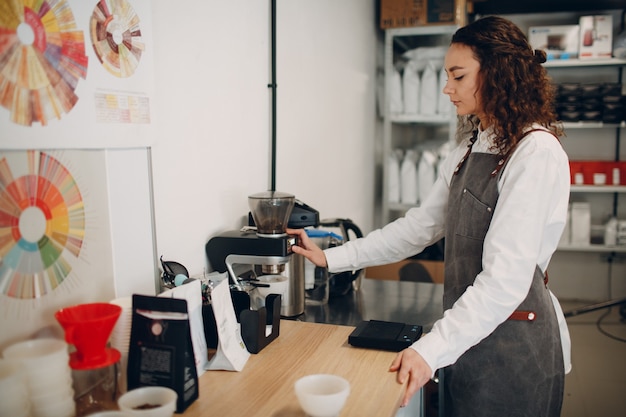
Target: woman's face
<point x="462" y="84"/>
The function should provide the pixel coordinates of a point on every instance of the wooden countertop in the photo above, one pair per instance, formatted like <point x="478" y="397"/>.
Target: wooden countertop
<point x="264" y="388"/>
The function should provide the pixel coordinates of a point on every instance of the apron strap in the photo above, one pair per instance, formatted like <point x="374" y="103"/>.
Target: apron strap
<point x="467" y="154"/>
<point x="524" y="315"/>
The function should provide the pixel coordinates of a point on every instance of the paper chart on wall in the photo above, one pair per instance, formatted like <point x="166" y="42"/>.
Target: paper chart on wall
<point x="76" y="74"/>
<point x="116" y="37"/>
<point x="43" y="61"/>
<point x="55" y="245"/>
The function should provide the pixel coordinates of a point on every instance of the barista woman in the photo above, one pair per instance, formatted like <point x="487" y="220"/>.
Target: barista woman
<point x="500" y="200"/>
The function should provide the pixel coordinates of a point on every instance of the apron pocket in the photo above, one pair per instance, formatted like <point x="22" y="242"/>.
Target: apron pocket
<point x="477" y="216"/>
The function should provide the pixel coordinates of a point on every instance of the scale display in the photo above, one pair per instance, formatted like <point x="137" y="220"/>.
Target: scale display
<point x="42" y="224"/>
<point x="42" y="58"/>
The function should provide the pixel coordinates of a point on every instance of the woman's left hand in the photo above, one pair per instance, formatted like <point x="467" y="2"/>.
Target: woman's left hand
<point x="410" y="366"/>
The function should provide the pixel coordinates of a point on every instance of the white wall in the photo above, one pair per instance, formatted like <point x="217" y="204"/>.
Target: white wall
<point x="130" y="214"/>
<point x="212" y="114"/>
<point x="212" y="63"/>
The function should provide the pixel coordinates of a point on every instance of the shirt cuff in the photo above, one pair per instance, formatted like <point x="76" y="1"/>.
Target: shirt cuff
<point x="336" y="259"/>
<point x="429" y="346"/>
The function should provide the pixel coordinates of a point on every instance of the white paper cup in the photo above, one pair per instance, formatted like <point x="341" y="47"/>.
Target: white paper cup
<point x="62" y="408"/>
<point x="14" y="399"/>
<point x="49" y="380"/>
<point x="51" y="395"/>
<point x="322" y="395"/>
<point x="39" y="354"/>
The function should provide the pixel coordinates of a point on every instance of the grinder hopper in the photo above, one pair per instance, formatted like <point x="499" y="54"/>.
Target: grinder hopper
<point x="270" y="211"/>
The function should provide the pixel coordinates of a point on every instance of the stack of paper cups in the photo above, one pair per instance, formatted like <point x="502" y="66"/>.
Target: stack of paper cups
<point x="13" y="390"/>
<point x="48" y="376"/>
<point x="120" y="336"/>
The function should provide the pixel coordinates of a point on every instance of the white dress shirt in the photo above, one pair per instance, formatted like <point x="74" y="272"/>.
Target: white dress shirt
<point x="525" y="230"/>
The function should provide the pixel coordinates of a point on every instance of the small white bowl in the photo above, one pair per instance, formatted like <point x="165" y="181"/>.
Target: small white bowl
<point x="162" y="397"/>
<point x="322" y="395"/>
<point x="277" y="285"/>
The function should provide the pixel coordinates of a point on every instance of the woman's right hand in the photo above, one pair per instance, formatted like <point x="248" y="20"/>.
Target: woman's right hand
<point x="307" y="248"/>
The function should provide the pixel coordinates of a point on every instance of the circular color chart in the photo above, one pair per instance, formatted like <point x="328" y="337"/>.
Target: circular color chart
<point x="116" y="37"/>
<point x="42" y="225"/>
<point x="42" y="58"/>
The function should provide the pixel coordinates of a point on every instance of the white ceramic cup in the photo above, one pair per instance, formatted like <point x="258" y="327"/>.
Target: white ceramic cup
<point x="163" y="397"/>
<point x="322" y="395"/>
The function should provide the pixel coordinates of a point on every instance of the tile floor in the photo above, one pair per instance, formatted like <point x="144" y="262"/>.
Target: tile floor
<point x="596" y="386"/>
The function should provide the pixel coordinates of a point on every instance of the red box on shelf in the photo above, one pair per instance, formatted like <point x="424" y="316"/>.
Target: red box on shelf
<point x="597" y="172"/>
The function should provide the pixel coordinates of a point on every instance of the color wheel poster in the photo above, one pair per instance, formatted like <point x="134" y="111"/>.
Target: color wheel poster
<point x="76" y="74"/>
<point x="55" y="239"/>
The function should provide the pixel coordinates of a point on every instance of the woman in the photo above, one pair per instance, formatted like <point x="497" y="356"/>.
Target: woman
<point x="501" y="202"/>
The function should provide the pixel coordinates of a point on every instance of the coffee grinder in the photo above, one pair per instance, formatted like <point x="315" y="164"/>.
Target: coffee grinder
<point x="265" y="247"/>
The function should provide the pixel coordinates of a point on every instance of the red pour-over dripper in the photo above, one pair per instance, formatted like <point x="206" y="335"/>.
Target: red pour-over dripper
<point x="88" y="327"/>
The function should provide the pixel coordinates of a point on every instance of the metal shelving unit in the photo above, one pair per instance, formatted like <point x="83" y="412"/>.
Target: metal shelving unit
<point x="615" y="190"/>
<point x="398" y="41"/>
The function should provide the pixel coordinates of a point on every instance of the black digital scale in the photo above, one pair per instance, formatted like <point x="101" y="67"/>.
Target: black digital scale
<point x="384" y="335"/>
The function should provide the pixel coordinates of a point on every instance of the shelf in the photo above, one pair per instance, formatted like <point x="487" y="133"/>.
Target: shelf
<point x="598" y="189"/>
<point x="410" y="130"/>
<point x="577" y="63"/>
<point x="434" y="119"/>
<point x="422" y="30"/>
<point x="592" y="125"/>
<point x="592" y="248"/>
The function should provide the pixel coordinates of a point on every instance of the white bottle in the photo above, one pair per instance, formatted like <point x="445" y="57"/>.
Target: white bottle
<point x="395" y="92"/>
<point x="427" y="168"/>
<point x="411" y="88"/>
<point x="429" y="93"/>
<point x="408" y="178"/>
<point x="610" y="232"/>
<point x="444" y="106"/>
<point x="393" y="176"/>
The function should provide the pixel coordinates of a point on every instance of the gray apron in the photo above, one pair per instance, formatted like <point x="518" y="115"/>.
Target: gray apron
<point x="518" y="369"/>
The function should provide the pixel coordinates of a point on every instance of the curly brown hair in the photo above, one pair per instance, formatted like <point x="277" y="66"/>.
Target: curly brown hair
<point x="514" y="87"/>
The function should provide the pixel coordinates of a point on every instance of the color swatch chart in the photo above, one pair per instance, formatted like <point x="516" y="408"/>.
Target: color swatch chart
<point x="42" y="59"/>
<point x="42" y="224"/>
<point x="116" y="37"/>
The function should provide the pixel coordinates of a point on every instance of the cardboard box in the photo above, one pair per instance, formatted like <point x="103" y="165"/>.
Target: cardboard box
<point x="559" y="42"/>
<point x="596" y="37"/>
<point x="408" y="270"/>
<point x="410" y="13"/>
